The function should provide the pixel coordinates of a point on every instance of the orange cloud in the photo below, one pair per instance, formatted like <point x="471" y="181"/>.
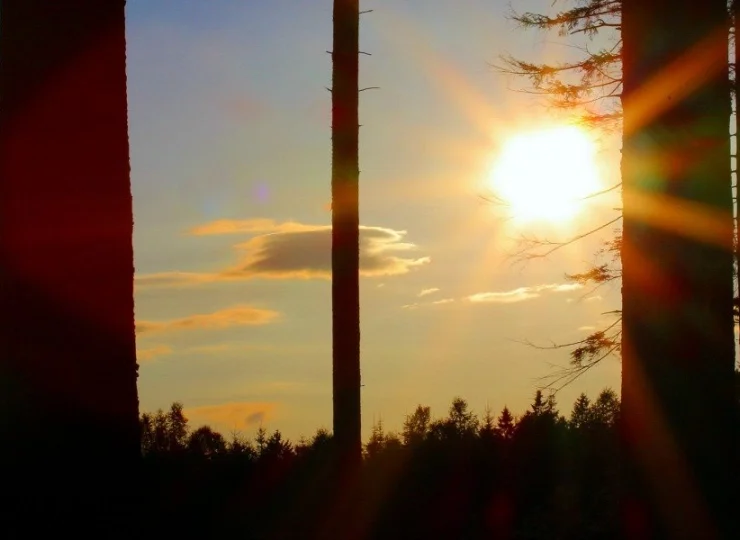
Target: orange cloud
<point x="246" y="226"/>
<point x="152" y="353"/>
<point x="173" y="279"/>
<point x="230" y="416"/>
<point x="225" y="318"/>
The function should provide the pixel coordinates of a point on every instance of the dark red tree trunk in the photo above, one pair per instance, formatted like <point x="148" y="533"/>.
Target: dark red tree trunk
<point x="68" y="368"/>
<point x="735" y="12"/>
<point x="678" y="355"/>
<point x="345" y="263"/>
<point x="345" y="230"/>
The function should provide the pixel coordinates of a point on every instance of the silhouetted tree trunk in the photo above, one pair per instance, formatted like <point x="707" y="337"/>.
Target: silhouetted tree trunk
<point x="345" y="230"/>
<point x="67" y="343"/>
<point x="678" y="344"/>
<point x="346" y="246"/>
<point x="735" y="12"/>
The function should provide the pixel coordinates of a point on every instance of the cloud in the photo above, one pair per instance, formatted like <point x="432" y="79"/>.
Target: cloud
<point x="425" y="292"/>
<point x="417" y="305"/>
<point x="245" y="226"/>
<point x="230" y="416"/>
<point x="173" y="279"/>
<point x="294" y="251"/>
<point x="594" y="298"/>
<point x="255" y="418"/>
<point x="562" y="287"/>
<point x="521" y="294"/>
<point x="152" y="353"/>
<point x="507" y="297"/>
<point x="586" y="328"/>
<point x="225" y="318"/>
<point x="306" y="253"/>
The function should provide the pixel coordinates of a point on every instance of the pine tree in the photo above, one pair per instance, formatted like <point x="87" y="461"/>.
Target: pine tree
<point x="605" y="410"/>
<point x="416" y="426"/>
<point x="581" y="415"/>
<point x="505" y="425"/>
<point x="377" y="440"/>
<point x="177" y="428"/>
<point x="463" y="421"/>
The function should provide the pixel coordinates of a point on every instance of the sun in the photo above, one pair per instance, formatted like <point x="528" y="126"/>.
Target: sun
<point x="544" y="175"/>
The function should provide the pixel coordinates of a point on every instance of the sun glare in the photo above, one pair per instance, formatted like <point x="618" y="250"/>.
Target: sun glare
<point x="544" y="175"/>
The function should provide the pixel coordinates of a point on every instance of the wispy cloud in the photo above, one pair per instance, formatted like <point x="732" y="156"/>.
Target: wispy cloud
<point x="174" y="279"/>
<point x="233" y="415"/>
<point x="562" y="287"/>
<point x="416" y="305"/>
<point x="222" y="227"/>
<point x="522" y="294"/>
<point x="425" y="292"/>
<point x="294" y="251"/>
<point x="225" y="318"/>
<point x="505" y="297"/>
<point x="152" y="353"/>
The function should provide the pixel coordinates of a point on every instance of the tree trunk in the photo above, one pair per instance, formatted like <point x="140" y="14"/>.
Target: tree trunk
<point x="678" y="343"/>
<point x="735" y="7"/>
<point x="345" y="231"/>
<point x="345" y="261"/>
<point x="67" y="342"/>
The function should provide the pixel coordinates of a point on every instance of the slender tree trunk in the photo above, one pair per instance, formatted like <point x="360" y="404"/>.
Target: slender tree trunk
<point x="67" y="344"/>
<point x="678" y="355"/>
<point x="736" y="92"/>
<point x="345" y="232"/>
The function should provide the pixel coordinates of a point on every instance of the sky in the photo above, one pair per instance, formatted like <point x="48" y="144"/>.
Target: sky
<point x="229" y="121"/>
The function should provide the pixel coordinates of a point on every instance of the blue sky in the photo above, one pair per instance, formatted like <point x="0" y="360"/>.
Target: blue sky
<point x="230" y="152"/>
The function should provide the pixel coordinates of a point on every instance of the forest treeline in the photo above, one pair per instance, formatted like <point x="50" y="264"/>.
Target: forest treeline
<point x="541" y="474"/>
